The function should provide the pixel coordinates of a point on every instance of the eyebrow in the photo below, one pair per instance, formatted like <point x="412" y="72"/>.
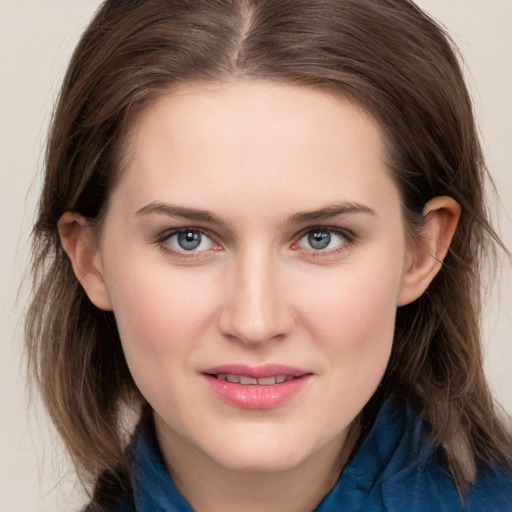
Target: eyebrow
<point x="180" y="211"/>
<point x="330" y="211"/>
<point x="198" y="215"/>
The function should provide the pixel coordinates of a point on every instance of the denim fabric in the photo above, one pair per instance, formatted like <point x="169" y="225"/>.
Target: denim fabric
<point x="396" y="469"/>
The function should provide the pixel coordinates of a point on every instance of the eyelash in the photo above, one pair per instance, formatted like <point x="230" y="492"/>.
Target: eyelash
<point x="348" y="239"/>
<point x="162" y="242"/>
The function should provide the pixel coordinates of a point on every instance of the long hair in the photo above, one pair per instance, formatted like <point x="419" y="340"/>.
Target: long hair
<point x="387" y="56"/>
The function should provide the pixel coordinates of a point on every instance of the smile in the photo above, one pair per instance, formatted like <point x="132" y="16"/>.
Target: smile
<point x="261" y="387"/>
<point x="245" y="380"/>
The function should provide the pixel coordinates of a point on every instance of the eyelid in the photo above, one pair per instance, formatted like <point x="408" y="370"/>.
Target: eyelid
<point x="184" y="254"/>
<point x="347" y="234"/>
<point x="164" y="235"/>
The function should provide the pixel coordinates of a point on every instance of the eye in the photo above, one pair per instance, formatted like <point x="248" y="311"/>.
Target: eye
<point x="324" y="239"/>
<point x="186" y="240"/>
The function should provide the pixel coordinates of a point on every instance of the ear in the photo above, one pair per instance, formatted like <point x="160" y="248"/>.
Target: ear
<point x="80" y="244"/>
<point x="426" y="254"/>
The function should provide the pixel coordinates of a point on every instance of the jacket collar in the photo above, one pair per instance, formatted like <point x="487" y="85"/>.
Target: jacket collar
<point x="391" y="464"/>
<point x="395" y="469"/>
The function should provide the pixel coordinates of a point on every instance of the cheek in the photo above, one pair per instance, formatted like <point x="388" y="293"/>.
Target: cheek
<point x="357" y="298"/>
<point x="353" y="328"/>
<point x="158" y="312"/>
<point x="161" y="320"/>
<point x="353" y="318"/>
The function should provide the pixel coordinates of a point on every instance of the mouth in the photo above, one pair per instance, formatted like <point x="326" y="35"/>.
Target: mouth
<point x="246" y="380"/>
<point x="262" y="387"/>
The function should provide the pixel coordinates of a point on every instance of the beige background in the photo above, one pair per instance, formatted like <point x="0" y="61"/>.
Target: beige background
<point x="36" y="38"/>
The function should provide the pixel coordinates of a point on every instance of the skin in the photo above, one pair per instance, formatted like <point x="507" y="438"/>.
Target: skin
<point x="256" y="156"/>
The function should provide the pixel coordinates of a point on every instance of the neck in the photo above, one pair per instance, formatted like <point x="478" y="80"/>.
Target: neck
<point x="210" y="487"/>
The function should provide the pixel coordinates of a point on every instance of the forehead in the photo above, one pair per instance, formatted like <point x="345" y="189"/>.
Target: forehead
<point x="250" y="138"/>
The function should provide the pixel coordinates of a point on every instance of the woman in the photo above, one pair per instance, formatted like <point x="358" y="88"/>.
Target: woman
<point x="260" y="240"/>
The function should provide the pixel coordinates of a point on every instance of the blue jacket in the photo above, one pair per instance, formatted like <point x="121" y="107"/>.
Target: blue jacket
<point x="396" y="469"/>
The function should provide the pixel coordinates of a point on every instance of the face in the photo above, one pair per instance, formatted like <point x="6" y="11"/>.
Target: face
<point x="253" y="254"/>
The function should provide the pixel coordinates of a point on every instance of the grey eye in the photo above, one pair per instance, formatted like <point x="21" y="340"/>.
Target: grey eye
<point x="319" y="239"/>
<point x="189" y="240"/>
<point x="324" y="239"/>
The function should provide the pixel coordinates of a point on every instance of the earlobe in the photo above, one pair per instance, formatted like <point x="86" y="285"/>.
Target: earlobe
<point x="426" y="255"/>
<point x="80" y="244"/>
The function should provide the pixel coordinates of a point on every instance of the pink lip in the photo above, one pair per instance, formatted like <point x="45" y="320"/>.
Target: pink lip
<point x="256" y="396"/>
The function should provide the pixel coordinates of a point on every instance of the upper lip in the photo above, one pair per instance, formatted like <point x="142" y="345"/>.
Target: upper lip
<point x="257" y="372"/>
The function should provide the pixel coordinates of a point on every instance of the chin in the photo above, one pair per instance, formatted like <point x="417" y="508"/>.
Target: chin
<point x="260" y="462"/>
<point x="265" y="452"/>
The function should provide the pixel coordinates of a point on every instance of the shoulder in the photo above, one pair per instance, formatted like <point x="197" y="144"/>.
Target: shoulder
<point x="423" y="483"/>
<point x="150" y="487"/>
<point x="492" y="490"/>
<point x="429" y="487"/>
<point x="397" y="468"/>
<point x="123" y="503"/>
<point x="426" y="480"/>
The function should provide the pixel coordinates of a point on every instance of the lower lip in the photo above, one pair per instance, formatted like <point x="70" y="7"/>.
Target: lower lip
<point x="256" y="396"/>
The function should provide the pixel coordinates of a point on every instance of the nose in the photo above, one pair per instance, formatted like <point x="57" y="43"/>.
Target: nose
<point x="256" y="309"/>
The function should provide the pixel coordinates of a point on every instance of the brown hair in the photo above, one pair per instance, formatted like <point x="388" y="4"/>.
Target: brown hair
<point x="386" y="55"/>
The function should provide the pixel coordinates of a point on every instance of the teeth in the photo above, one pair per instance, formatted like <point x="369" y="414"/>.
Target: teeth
<point x="247" y="381"/>
<point x="267" y="381"/>
<point x="251" y="381"/>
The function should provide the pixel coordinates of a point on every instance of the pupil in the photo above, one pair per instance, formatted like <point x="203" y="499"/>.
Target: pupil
<point x="319" y="239"/>
<point x="189" y="240"/>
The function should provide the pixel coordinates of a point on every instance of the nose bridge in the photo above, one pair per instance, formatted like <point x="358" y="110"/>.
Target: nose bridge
<point x="257" y="308"/>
